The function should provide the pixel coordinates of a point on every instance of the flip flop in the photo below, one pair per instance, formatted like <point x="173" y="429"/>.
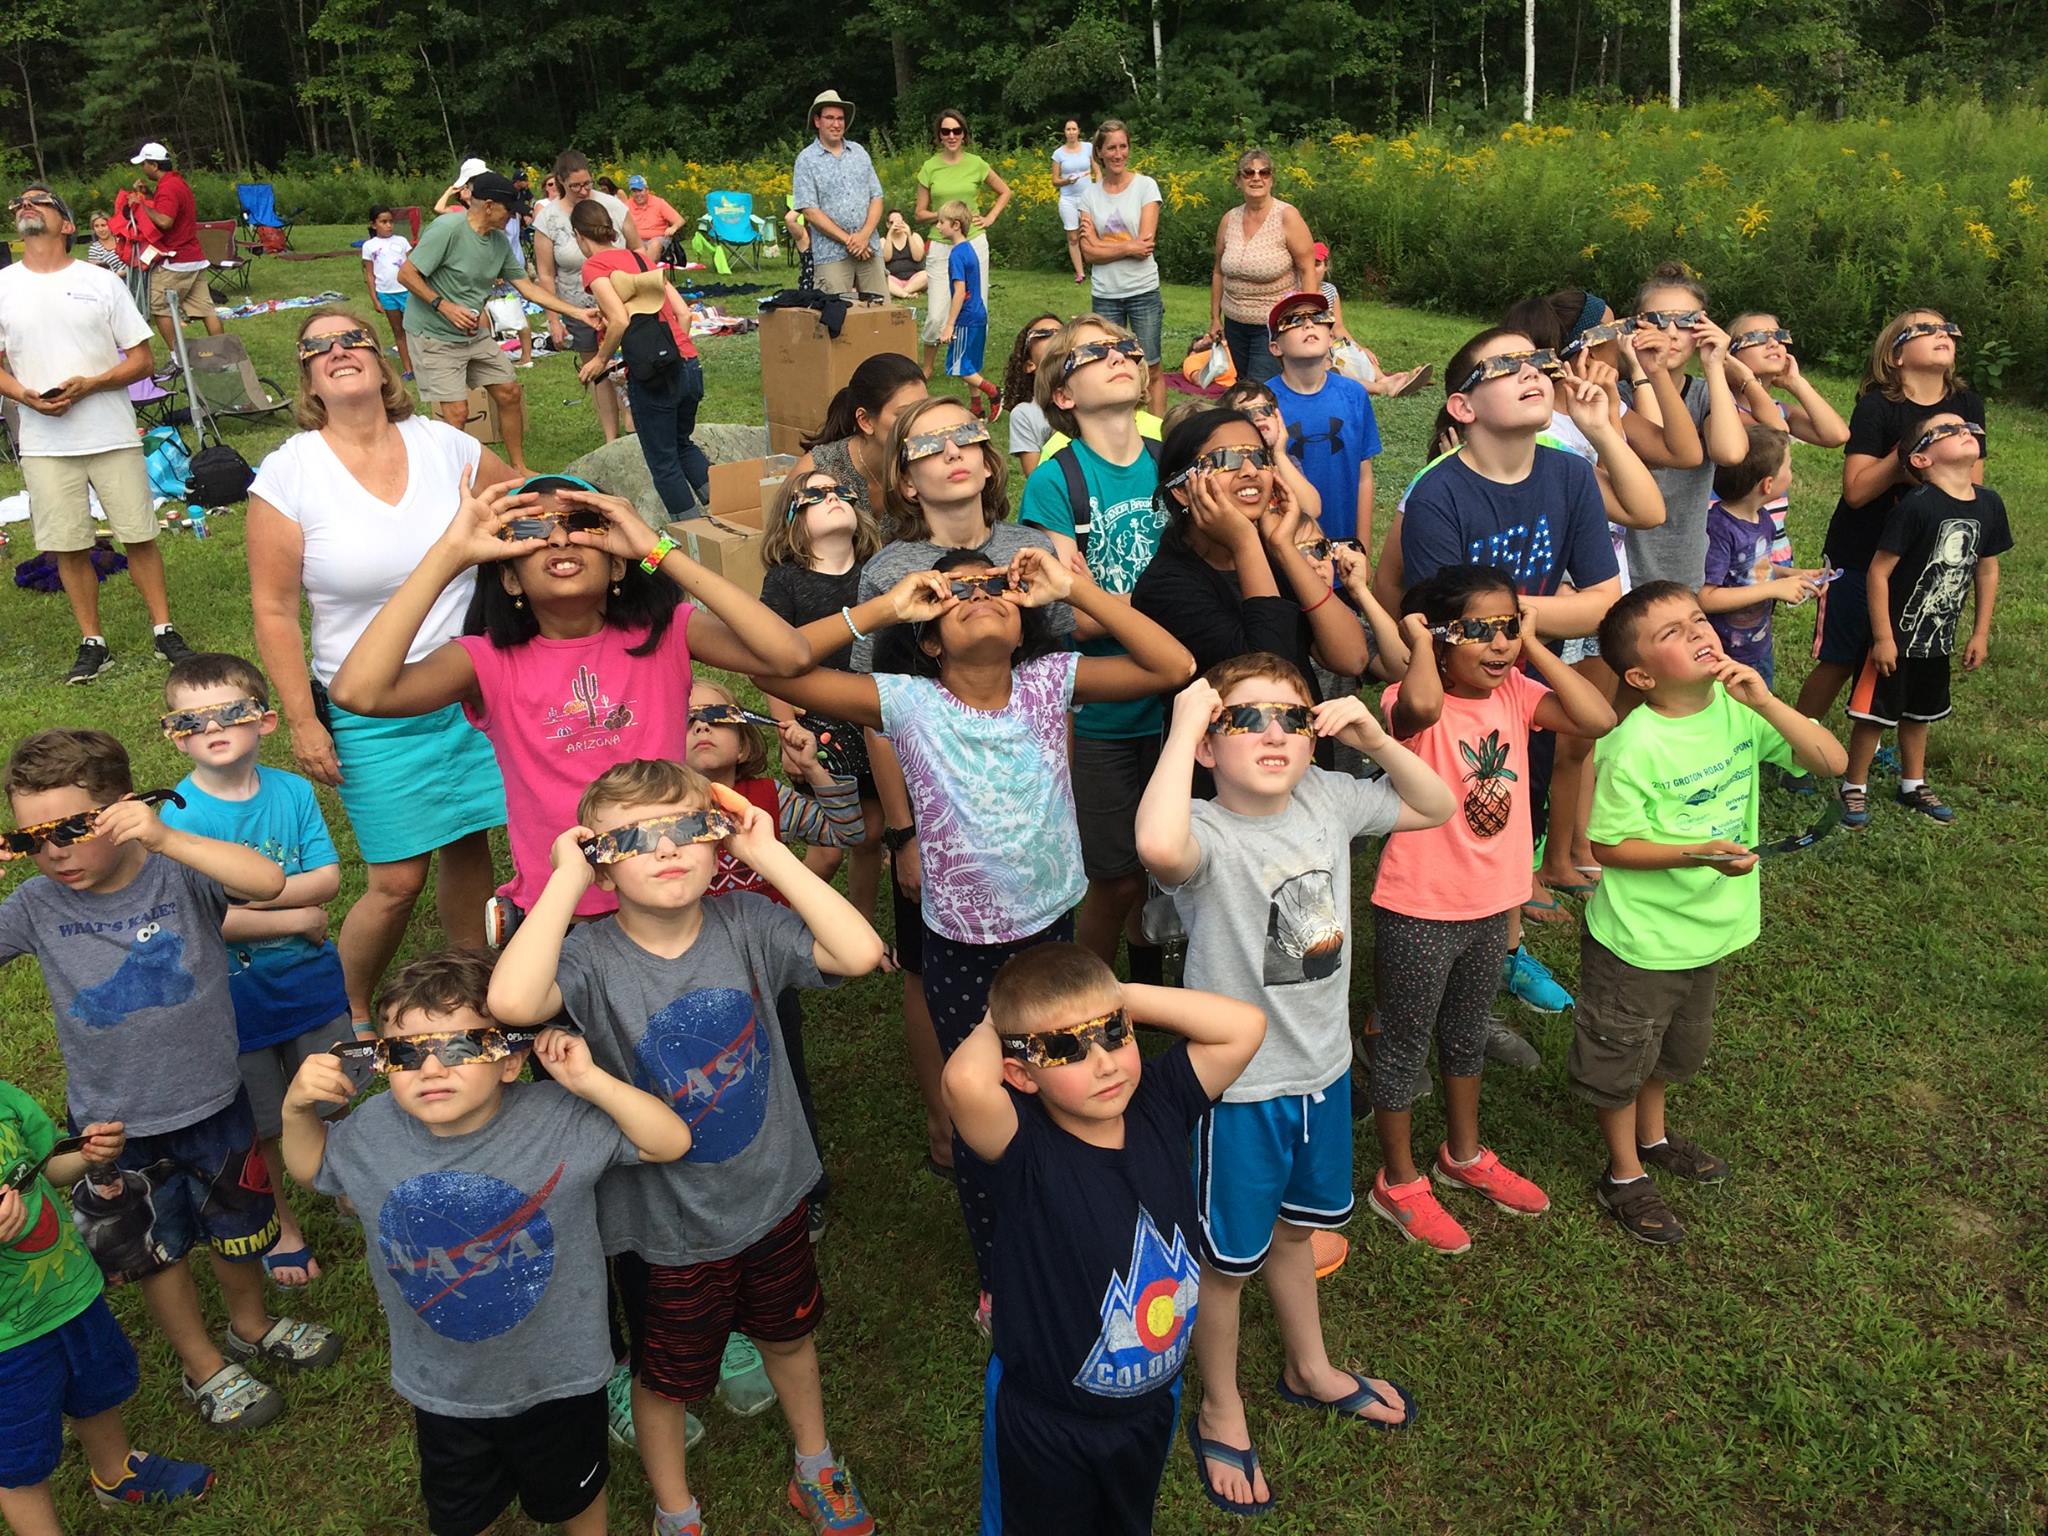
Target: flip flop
<point x="1421" y="379"/>
<point x="939" y="1170"/>
<point x="1245" y="1460"/>
<point x="298" y="1258"/>
<point x="1549" y="911"/>
<point x="1348" y="1406"/>
<point x="1577" y="888"/>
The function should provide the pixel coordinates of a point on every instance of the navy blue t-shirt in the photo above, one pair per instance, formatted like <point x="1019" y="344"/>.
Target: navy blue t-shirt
<point x="1540" y="530"/>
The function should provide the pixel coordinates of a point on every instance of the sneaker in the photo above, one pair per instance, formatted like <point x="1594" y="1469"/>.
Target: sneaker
<point x="295" y="1345"/>
<point x="831" y="1503"/>
<point x="743" y="1384"/>
<point x="93" y="659"/>
<point x="1417" y="1215"/>
<point x="1530" y="983"/>
<point x="155" y="1480"/>
<point x="1927" y="803"/>
<point x="1686" y="1158"/>
<point x="815" y="1221"/>
<point x="1492" y="1178"/>
<point x="975" y="408"/>
<point x="1509" y="1049"/>
<point x="1855" y="807"/>
<point x="1794" y="783"/>
<point x="170" y="647"/>
<point x="985" y="1317"/>
<point x="694" y="1528"/>
<point x="1886" y="760"/>
<point x="1330" y="1249"/>
<point x="1640" y="1209"/>
<point x="995" y="406"/>
<point x="232" y="1399"/>
<point x="618" y="1412"/>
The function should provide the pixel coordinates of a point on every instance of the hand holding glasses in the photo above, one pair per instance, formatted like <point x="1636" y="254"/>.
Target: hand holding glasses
<point x="1479" y="631"/>
<point x="79" y="827"/>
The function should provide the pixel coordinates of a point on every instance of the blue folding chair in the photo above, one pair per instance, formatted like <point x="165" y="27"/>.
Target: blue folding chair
<point x="268" y="229"/>
<point x="733" y="229"/>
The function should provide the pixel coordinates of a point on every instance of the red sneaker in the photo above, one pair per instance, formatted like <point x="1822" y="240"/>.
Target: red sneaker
<point x="1494" y="1179"/>
<point x="1415" y="1212"/>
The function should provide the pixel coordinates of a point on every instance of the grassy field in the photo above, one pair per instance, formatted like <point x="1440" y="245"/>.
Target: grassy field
<point x="1852" y="1339"/>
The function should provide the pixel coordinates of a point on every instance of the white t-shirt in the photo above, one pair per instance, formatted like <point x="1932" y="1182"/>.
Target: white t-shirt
<point x="1117" y="215"/>
<point x="386" y="254"/>
<point x="54" y="326"/>
<point x="551" y="223"/>
<point x="359" y="550"/>
<point x="1074" y="162"/>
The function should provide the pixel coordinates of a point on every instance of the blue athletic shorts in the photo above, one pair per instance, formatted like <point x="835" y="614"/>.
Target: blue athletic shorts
<point x="1271" y="1160"/>
<point x="963" y="357"/>
<point x="391" y="303"/>
<point x="75" y="1371"/>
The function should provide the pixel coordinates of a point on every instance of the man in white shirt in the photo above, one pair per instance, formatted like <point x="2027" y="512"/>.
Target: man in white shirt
<point x="71" y="342"/>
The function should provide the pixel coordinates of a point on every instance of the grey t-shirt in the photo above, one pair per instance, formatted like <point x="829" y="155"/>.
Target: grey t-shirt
<point x="895" y="561"/>
<point x="700" y="1033"/>
<point x="138" y="979"/>
<point x="1028" y="427"/>
<point x="1266" y="913"/>
<point x="483" y="1247"/>
<point x="1676" y="551"/>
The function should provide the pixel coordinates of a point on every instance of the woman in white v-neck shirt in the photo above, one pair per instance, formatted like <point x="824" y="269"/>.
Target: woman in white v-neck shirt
<point x="341" y="514"/>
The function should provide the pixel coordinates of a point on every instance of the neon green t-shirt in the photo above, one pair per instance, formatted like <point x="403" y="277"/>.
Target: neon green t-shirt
<point x="46" y="1276"/>
<point x="1680" y="780"/>
<point x="962" y="179"/>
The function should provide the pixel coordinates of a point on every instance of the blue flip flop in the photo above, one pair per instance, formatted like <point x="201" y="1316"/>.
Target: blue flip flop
<point x="1245" y="1460"/>
<point x="298" y="1258"/>
<point x="1348" y="1406"/>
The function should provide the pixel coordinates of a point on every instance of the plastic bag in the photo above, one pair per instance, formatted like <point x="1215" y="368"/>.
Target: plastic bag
<point x="1352" y="360"/>
<point x="1208" y="365"/>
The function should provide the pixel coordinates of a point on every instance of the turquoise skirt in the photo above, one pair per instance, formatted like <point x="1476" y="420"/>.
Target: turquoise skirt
<point x="415" y="784"/>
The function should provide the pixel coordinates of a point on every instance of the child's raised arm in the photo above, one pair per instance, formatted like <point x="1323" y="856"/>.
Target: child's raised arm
<point x="843" y="943"/>
<point x="1573" y="707"/>
<point x="1165" y="837"/>
<point x="660" y="1134"/>
<point x="245" y="874"/>
<point x="982" y="1110"/>
<point x="523" y="985"/>
<point x="1636" y="502"/>
<point x="319" y="1084"/>
<point x="1813" y="745"/>
<point x="1810" y="417"/>
<point x="1426" y="801"/>
<point x="1726" y="440"/>
<point x="1155" y="662"/>
<point x="919" y="597"/>
<point x="1420" y="703"/>
<point x="1222" y="1033"/>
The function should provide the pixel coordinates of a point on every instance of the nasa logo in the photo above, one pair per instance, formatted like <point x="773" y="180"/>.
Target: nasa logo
<point x="471" y="1255"/>
<point x="709" y="1057"/>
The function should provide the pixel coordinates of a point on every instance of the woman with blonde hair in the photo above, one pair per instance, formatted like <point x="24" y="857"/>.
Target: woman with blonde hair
<point x="1263" y="253"/>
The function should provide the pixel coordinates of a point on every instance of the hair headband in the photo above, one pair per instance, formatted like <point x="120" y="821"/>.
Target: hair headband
<point x="1589" y="315"/>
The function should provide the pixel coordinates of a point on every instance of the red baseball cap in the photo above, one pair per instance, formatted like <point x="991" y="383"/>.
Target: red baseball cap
<point x="1293" y="302"/>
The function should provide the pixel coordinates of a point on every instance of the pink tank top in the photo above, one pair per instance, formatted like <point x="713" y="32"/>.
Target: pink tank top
<point x="1258" y="272"/>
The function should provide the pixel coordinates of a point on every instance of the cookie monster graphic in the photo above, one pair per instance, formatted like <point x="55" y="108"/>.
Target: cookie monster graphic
<point x="151" y="975"/>
<point x="471" y="1255"/>
<point x="709" y="1055"/>
<point x="1148" y="1317"/>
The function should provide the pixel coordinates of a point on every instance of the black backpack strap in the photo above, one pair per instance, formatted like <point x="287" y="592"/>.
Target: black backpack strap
<point x="1078" y="501"/>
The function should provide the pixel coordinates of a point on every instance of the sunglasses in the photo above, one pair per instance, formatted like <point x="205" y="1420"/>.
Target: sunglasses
<point x="1505" y="365"/>
<point x="450" y="1047"/>
<point x="1224" y="461"/>
<point x="20" y="203"/>
<point x="1252" y="719"/>
<point x="1064" y="1047"/>
<point x="1934" y="435"/>
<point x="1759" y="339"/>
<point x="922" y="445"/>
<point x="1044" y="333"/>
<point x="180" y="723"/>
<point x="1927" y="328"/>
<point x="639" y="837"/>
<point x="816" y="496"/>
<point x="952" y="131"/>
<point x="1672" y="319"/>
<point x="1259" y="412"/>
<point x="539" y="525"/>
<point x="1479" y="631"/>
<point x="1095" y="351"/>
<point x="727" y="714"/>
<point x="1319" y="549"/>
<point x="965" y="587"/>
<point x="80" y="827"/>
<point x="1597" y="335"/>
<point x="311" y="347"/>
<point x="1257" y="173"/>
<point x="1299" y="318"/>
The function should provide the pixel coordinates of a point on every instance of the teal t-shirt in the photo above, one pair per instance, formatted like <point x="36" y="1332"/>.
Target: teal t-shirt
<point x="463" y="266"/>
<point x="1123" y="536"/>
<point x="46" y="1276"/>
<point x="1682" y="780"/>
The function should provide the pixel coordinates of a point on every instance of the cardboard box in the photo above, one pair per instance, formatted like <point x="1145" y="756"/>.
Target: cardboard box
<point x="803" y="366"/>
<point x="747" y="485"/>
<point x="483" y="418"/>
<point x="728" y="543"/>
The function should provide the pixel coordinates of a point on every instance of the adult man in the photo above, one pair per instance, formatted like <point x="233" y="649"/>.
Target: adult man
<point x="163" y="199"/>
<point x="657" y="222"/>
<point x="449" y="275"/>
<point x="840" y="197"/>
<point x="71" y="342"/>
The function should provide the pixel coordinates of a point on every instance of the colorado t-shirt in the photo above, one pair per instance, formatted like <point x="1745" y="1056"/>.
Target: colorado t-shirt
<point x="46" y="1276"/>
<point x="1550" y="524"/>
<point x="1330" y="434"/>
<point x="76" y="322"/>
<point x="1877" y="426"/>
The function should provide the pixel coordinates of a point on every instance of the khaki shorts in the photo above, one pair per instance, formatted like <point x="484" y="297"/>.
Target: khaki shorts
<point x="449" y="370"/>
<point x="846" y="274"/>
<point x="1632" y="1025"/>
<point x="61" y="515"/>
<point x="195" y="302"/>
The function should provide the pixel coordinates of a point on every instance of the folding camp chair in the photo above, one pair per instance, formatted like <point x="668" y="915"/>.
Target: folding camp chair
<point x="218" y="370"/>
<point x="408" y="216"/>
<point x="733" y="229"/>
<point x="154" y="405"/>
<point x="268" y="230"/>
<point x="10" y="432"/>
<point x="229" y="268"/>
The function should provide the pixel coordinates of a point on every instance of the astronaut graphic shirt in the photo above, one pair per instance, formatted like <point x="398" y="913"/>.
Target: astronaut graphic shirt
<point x="1094" y="1258"/>
<point x="483" y="1248"/>
<point x="1939" y="541"/>
<point x="138" y="980"/>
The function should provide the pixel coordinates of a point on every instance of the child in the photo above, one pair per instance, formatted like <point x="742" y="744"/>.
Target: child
<point x="980" y="733"/>
<point x="666" y="992"/>
<point x="501" y="1351"/>
<point x="577" y="653"/>
<point x="1443" y="896"/>
<point x="1674" y="825"/>
<point x="1087" y="1148"/>
<point x="1741" y="583"/>
<point x="124" y="918"/>
<point x="1941" y="540"/>
<point x="383" y="254"/>
<point x="1756" y="340"/>
<point x="283" y="973"/>
<point x="1331" y="432"/>
<point x="62" y="1354"/>
<point x="1262" y="878"/>
<point x="965" y="333"/>
<point x="1911" y="377"/>
<point x="1028" y="425"/>
<point x="1376" y="381"/>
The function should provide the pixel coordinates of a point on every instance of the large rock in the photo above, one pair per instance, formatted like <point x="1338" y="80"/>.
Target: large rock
<point x="620" y="469"/>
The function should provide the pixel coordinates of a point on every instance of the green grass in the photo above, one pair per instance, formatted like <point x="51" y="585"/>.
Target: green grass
<point x="1851" y="1339"/>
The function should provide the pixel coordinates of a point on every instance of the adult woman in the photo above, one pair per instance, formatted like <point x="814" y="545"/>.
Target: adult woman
<point x="952" y="172"/>
<point x="558" y="262"/>
<point x="1073" y="168"/>
<point x="903" y="253"/>
<point x="849" y="443"/>
<point x="1263" y="253"/>
<point x="340" y="514"/>
<point x="1119" y="223"/>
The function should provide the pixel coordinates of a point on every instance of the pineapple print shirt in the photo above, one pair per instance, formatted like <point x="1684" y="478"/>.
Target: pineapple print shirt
<point x="46" y="1276"/>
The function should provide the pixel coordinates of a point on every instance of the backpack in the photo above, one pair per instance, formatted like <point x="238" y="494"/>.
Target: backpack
<point x="1077" y="488"/>
<point x="649" y="346"/>
<point x="163" y="452"/>
<point x="219" y="477"/>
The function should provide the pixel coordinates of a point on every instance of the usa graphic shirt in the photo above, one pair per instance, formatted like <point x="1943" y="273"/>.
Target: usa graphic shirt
<point x="699" y="1033"/>
<point x="1095" y="1256"/>
<point x="1541" y="529"/>
<point x="483" y="1248"/>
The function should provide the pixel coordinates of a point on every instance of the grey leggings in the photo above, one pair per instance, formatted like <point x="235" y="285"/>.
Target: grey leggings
<point x="1432" y="976"/>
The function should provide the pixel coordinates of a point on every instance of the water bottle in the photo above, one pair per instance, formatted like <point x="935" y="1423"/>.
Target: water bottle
<point x="195" y="516"/>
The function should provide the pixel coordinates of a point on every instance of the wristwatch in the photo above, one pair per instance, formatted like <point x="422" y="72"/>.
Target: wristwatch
<point x="893" y="838"/>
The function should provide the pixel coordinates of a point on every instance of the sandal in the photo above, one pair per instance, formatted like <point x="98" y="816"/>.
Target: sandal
<point x="1245" y="1460"/>
<point x="1350" y="1405"/>
<point x="299" y="1258"/>
<point x="1416" y="381"/>
<point x="1640" y="1209"/>
<point x="1547" y="910"/>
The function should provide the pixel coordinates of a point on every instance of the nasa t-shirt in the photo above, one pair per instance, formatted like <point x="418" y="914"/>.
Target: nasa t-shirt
<point x="1266" y="912"/>
<point x="1094" y="1256"/>
<point x="484" y="1239"/>
<point x="699" y="1032"/>
<point x="138" y="980"/>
